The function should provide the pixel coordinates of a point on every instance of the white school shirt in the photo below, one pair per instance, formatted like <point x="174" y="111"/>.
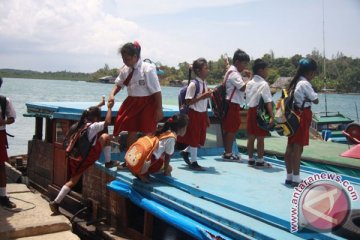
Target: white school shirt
<point x="94" y="129"/>
<point x="166" y="145"/>
<point x="255" y="89"/>
<point x="304" y="89"/>
<point x="10" y="112"/>
<point x="144" y="81"/>
<point x="235" y="80"/>
<point x="200" y="106"/>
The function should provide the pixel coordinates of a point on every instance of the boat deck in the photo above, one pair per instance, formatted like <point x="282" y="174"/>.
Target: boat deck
<point x="229" y="197"/>
<point x="318" y="152"/>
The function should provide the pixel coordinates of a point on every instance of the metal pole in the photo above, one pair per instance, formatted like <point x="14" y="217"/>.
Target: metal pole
<point x="324" y="64"/>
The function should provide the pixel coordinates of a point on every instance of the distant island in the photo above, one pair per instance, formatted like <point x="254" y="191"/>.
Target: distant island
<point x="343" y="73"/>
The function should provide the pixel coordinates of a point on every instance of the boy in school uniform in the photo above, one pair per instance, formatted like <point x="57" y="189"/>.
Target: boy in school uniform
<point x="256" y="89"/>
<point x="142" y="109"/>
<point x="235" y="87"/>
<point x="10" y="116"/>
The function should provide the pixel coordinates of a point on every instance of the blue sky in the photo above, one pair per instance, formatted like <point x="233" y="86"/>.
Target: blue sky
<point x="79" y="35"/>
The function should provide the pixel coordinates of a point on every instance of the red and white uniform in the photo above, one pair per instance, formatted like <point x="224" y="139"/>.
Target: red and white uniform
<point x="10" y="113"/>
<point x="303" y="90"/>
<point x="136" y="113"/>
<point x="232" y="120"/>
<point x="166" y="146"/>
<point x="196" y="131"/>
<point x="256" y="89"/>
<point x="78" y="167"/>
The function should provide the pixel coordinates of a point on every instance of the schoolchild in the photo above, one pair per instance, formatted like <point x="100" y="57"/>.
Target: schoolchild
<point x="90" y="118"/>
<point x="160" y="159"/>
<point x="9" y="118"/>
<point x="198" y="118"/>
<point x="304" y="96"/>
<point x="142" y="108"/>
<point x="256" y="89"/>
<point x="235" y="87"/>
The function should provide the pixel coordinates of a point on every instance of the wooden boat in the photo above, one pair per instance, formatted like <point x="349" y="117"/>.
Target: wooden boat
<point x="330" y="125"/>
<point x="227" y="201"/>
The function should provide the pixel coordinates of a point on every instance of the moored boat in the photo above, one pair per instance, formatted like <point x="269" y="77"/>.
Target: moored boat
<point x="227" y="201"/>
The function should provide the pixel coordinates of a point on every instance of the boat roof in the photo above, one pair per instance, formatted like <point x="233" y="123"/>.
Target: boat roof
<point x="73" y="110"/>
<point x="331" y="118"/>
<point x="230" y="197"/>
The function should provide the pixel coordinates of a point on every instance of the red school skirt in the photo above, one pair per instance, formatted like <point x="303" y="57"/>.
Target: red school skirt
<point x="136" y="114"/>
<point x="3" y="147"/>
<point x="156" y="164"/>
<point x="301" y="136"/>
<point x="79" y="167"/>
<point x="252" y="126"/>
<point x="232" y="121"/>
<point x="196" y="130"/>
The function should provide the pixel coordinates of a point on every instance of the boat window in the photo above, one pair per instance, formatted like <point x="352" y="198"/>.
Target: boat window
<point x="62" y="128"/>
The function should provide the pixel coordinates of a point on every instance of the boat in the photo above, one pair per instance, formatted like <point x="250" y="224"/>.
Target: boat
<point x="330" y="125"/>
<point x="107" y="79"/>
<point x="227" y="201"/>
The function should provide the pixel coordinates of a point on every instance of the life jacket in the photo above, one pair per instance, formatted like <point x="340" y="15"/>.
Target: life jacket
<point x="183" y="107"/>
<point x="77" y="145"/>
<point x="219" y="104"/>
<point x="140" y="151"/>
<point x="286" y="119"/>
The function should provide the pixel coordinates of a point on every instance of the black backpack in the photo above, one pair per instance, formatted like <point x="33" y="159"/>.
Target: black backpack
<point x="3" y="106"/>
<point x="77" y="144"/>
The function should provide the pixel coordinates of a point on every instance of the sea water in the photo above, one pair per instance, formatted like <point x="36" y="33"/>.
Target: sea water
<point x="22" y="91"/>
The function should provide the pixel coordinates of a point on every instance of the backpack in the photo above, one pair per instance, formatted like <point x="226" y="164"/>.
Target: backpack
<point x="263" y="117"/>
<point x="183" y="107"/>
<point x="138" y="156"/>
<point x="219" y="104"/>
<point x="3" y="106"/>
<point x="77" y="145"/>
<point x="287" y="121"/>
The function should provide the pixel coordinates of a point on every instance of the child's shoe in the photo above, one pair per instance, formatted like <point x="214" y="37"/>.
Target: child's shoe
<point x="54" y="207"/>
<point x="185" y="156"/>
<point x="231" y="157"/>
<point x="5" y="202"/>
<point x="195" y="166"/>
<point x="263" y="164"/>
<point x="288" y="182"/>
<point x="112" y="164"/>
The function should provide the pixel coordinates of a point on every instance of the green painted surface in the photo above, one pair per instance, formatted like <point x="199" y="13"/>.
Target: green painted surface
<point x="333" y="120"/>
<point x="317" y="151"/>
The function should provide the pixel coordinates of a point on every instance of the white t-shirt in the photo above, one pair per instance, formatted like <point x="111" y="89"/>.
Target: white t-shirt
<point x="200" y="106"/>
<point x="166" y="145"/>
<point x="234" y="80"/>
<point x="255" y="89"/>
<point x="144" y="81"/>
<point x="304" y="90"/>
<point x="94" y="129"/>
<point x="10" y="112"/>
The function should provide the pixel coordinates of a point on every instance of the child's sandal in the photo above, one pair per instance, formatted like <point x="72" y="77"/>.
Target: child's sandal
<point x="231" y="157"/>
<point x="263" y="164"/>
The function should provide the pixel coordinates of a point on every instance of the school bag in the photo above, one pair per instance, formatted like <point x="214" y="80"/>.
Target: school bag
<point x="287" y="121"/>
<point x="3" y="106"/>
<point x="263" y="116"/>
<point x="219" y="104"/>
<point x="77" y="145"/>
<point x="183" y="107"/>
<point x="138" y="156"/>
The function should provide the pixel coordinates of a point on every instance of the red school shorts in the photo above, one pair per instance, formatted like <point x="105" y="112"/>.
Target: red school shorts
<point x="232" y="120"/>
<point x="3" y="147"/>
<point x="156" y="164"/>
<point x="79" y="167"/>
<point x="252" y="126"/>
<point x="301" y="136"/>
<point x="136" y="114"/>
<point x="196" y="130"/>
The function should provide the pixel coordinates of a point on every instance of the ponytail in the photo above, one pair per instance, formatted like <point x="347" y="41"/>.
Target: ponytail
<point x="174" y="123"/>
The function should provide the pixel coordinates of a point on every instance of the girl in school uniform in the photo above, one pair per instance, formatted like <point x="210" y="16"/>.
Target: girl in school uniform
<point x="303" y="94"/>
<point x="198" y="118"/>
<point x="256" y="89"/>
<point x="142" y="109"/>
<point x="160" y="160"/>
<point x="90" y="118"/>
<point x="235" y="87"/>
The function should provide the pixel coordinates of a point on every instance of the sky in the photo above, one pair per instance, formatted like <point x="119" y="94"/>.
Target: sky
<point x="84" y="35"/>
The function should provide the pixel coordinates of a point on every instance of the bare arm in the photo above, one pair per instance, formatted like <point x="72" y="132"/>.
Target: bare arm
<point x="201" y="97"/>
<point x="8" y="121"/>
<point x="113" y="92"/>
<point x="166" y="165"/>
<point x="158" y="101"/>
<point x="108" y="114"/>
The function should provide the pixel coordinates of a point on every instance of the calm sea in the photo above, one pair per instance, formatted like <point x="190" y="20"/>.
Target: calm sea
<point x="22" y="91"/>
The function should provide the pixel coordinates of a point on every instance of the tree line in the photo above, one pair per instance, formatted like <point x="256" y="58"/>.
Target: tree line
<point x="342" y="72"/>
